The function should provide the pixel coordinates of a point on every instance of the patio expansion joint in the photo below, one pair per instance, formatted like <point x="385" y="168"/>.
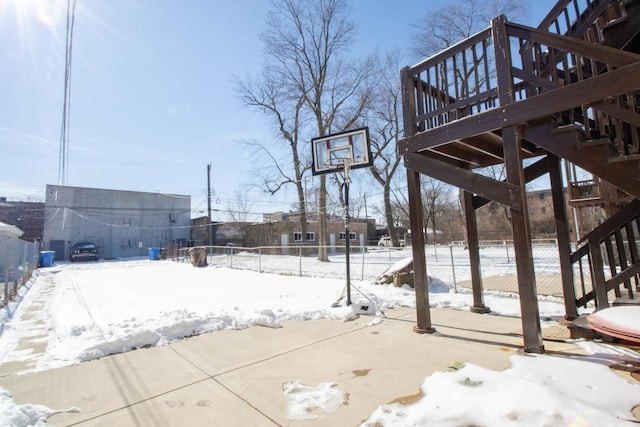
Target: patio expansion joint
<point x="255" y="362"/>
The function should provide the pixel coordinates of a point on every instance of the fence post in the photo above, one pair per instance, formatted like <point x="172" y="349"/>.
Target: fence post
<point x="300" y="259"/>
<point x="504" y="242"/>
<point x="260" y="259"/>
<point x="362" y="272"/>
<point x="230" y="256"/>
<point x="453" y="268"/>
<point x="5" y="275"/>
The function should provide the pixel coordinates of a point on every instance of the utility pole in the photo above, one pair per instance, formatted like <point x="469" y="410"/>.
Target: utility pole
<point x="209" y="226"/>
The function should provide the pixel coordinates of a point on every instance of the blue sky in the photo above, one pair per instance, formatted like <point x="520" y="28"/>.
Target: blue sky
<point x="152" y="101"/>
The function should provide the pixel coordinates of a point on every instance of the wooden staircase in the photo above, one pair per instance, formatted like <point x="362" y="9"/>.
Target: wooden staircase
<point x="568" y="89"/>
<point x="611" y="252"/>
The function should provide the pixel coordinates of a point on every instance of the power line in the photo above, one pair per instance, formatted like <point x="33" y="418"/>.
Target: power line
<point x="63" y="154"/>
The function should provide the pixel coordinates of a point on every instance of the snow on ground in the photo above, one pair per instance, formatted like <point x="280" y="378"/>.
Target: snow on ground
<point x="95" y="309"/>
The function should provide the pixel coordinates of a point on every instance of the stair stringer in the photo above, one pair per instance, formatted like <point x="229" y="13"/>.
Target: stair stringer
<point x="565" y="143"/>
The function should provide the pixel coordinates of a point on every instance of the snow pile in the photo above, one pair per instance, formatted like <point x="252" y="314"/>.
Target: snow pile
<point x="25" y="415"/>
<point x="536" y="391"/>
<point x="311" y="403"/>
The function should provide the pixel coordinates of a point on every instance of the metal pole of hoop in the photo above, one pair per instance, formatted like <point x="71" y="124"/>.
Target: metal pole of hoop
<point x="347" y="246"/>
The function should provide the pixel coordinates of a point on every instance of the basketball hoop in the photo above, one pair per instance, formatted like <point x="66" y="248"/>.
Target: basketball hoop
<point x="343" y="151"/>
<point x="329" y="153"/>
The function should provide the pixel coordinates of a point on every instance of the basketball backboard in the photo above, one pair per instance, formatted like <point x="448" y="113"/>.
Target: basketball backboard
<point x="330" y="153"/>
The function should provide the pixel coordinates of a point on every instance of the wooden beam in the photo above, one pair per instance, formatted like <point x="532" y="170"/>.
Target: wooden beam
<point x="531" y="172"/>
<point x="501" y="192"/>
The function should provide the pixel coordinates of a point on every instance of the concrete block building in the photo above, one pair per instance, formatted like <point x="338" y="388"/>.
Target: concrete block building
<point x="120" y="223"/>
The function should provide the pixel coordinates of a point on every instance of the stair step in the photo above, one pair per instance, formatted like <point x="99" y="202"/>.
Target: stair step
<point x="614" y="22"/>
<point x="579" y="328"/>
<point x="559" y="130"/>
<point x="625" y="300"/>
<point x="624" y="158"/>
<point x="596" y="142"/>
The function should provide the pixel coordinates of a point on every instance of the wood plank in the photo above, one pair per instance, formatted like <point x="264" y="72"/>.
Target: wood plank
<point x="501" y="192"/>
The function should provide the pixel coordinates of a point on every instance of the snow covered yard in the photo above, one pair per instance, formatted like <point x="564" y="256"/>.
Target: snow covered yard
<point x="96" y="309"/>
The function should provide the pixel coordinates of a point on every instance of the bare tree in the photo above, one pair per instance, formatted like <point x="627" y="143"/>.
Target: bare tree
<point x="238" y="211"/>
<point x="452" y="22"/>
<point x="385" y="131"/>
<point x="436" y="199"/>
<point x="303" y="45"/>
<point x="285" y="109"/>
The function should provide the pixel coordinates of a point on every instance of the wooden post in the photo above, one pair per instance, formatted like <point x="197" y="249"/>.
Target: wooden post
<point x="562" y="234"/>
<point x="423" y="312"/>
<point x="597" y="273"/>
<point x="474" y="254"/>
<point x="511" y="141"/>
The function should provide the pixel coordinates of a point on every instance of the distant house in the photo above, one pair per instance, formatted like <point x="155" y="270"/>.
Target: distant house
<point x="283" y="229"/>
<point x="120" y="223"/>
<point x="28" y="216"/>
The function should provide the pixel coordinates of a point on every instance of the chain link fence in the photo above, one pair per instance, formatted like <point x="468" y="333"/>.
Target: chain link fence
<point x="18" y="259"/>
<point x="446" y="263"/>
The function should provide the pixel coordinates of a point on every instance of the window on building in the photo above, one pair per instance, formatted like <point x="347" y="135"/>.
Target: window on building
<point x="352" y="235"/>
<point x="541" y="196"/>
<point x="297" y="236"/>
<point x="544" y="210"/>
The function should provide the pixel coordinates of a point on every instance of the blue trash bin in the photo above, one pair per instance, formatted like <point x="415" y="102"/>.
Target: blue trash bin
<point x="46" y="258"/>
<point x="154" y="254"/>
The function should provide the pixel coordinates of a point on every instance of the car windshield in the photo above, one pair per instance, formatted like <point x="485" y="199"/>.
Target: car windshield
<point x="84" y="246"/>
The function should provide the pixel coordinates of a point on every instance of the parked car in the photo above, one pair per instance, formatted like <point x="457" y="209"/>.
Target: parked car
<point x="83" y="251"/>
<point x="385" y="241"/>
